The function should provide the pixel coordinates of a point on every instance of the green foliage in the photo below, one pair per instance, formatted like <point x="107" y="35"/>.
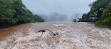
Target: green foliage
<point x="14" y="12"/>
<point x="74" y="20"/>
<point x="106" y="21"/>
<point x="37" y="18"/>
<point x="84" y="18"/>
<point x="106" y="16"/>
<point x="101" y="9"/>
<point x="99" y="22"/>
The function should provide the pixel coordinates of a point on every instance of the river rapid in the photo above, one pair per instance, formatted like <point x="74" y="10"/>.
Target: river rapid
<point x="57" y="35"/>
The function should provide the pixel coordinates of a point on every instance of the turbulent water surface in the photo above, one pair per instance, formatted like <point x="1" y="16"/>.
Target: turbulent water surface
<point x="56" y="36"/>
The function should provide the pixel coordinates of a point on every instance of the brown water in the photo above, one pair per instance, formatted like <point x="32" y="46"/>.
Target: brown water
<point x="8" y="31"/>
<point x="70" y="36"/>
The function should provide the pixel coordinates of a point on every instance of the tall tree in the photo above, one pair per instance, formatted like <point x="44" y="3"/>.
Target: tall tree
<point x="101" y="9"/>
<point x="14" y="12"/>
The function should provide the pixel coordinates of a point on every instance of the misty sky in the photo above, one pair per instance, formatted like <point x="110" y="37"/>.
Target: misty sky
<point x="55" y="10"/>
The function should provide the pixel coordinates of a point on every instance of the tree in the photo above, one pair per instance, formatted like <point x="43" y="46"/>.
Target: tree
<point x="14" y="12"/>
<point x="101" y="9"/>
<point x="106" y="16"/>
<point x="84" y="18"/>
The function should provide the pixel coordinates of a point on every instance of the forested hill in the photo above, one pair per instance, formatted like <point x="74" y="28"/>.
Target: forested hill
<point x="101" y="9"/>
<point x="13" y="12"/>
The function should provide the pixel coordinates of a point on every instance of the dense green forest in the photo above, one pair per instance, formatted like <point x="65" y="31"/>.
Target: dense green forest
<point x="13" y="12"/>
<point x="101" y="9"/>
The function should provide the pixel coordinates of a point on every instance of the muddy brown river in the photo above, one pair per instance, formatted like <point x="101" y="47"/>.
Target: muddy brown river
<point x="57" y="35"/>
<point x="9" y="31"/>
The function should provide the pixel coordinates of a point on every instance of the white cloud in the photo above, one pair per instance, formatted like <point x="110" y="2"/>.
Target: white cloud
<point x="67" y="7"/>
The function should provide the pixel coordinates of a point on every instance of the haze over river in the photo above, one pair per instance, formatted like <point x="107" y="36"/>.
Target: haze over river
<point x="58" y="10"/>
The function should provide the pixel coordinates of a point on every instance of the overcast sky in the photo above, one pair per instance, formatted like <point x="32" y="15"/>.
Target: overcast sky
<point x="60" y="7"/>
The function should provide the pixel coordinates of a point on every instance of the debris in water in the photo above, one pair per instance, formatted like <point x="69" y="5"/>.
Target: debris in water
<point x="42" y="31"/>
